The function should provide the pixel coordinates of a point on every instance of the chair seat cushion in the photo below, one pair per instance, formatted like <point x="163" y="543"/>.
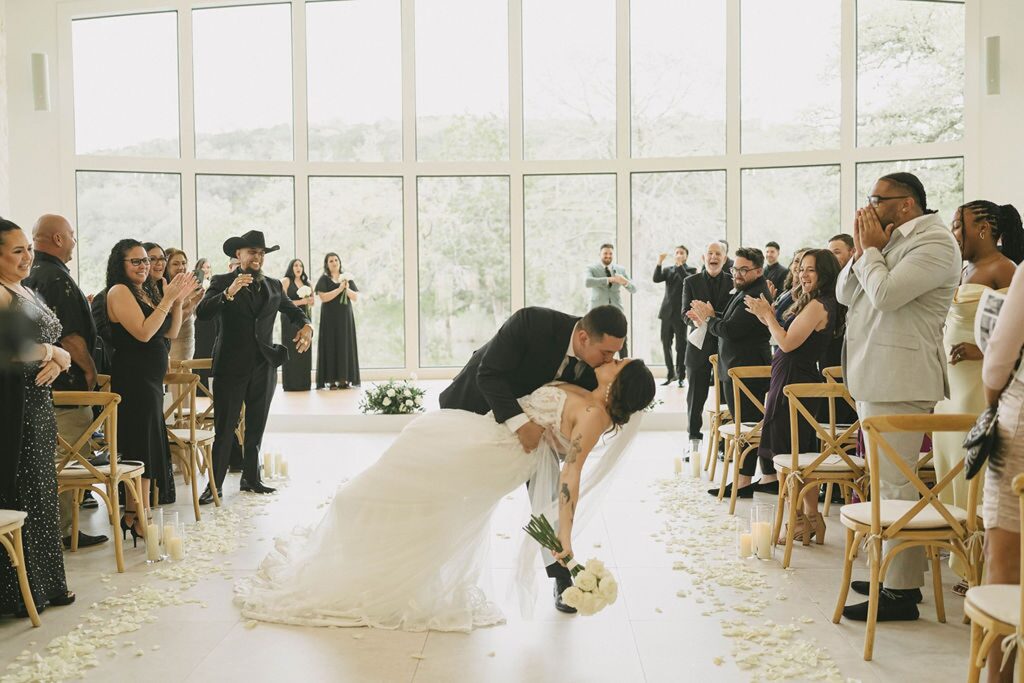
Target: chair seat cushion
<point x="999" y="601"/>
<point x="12" y="518"/>
<point x="201" y="434"/>
<point x="891" y="510"/>
<point x="730" y="429"/>
<point x="832" y="463"/>
<point x="78" y="472"/>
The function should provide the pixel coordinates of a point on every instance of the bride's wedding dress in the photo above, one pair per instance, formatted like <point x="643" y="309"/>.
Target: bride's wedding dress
<point x="403" y="545"/>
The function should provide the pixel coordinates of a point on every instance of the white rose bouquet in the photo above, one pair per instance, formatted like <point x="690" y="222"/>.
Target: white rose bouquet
<point x="303" y="292"/>
<point x="595" y="588"/>
<point x="393" y="398"/>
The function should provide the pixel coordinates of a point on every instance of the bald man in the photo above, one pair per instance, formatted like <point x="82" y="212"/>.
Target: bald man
<point x="54" y="242"/>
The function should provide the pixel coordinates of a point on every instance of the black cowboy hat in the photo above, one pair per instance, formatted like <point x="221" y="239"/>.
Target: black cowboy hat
<point x="253" y="239"/>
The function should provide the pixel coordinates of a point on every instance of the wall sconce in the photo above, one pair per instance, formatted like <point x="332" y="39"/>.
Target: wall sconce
<point x="992" y="65"/>
<point x="40" y="81"/>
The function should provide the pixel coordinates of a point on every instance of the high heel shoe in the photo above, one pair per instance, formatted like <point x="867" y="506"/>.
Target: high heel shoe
<point x="126" y="527"/>
<point x="802" y="529"/>
<point x="819" y="528"/>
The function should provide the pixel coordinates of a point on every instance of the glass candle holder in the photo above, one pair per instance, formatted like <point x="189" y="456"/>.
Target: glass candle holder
<point x="744" y="539"/>
<point x="154" y="528"/>
<point x="762" y="521"/>
<point x="268" y="465"/>
<point x="695" y="464"/>
<point x="168" y="530"/>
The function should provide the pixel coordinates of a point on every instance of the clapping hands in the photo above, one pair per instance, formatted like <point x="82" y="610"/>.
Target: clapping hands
<point x="700" y="311"/>
<point x="180" y="287"/>
<point x="760" y="307"/>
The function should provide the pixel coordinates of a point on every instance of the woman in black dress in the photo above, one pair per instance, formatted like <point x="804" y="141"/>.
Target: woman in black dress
<point x="337" y="355"/>
<point x="29" y="480"/>
<point x="139" y="328"/>
<point x="296" y="373"/>
<point x="802" y="339"/>
<point x="157" y="265"/>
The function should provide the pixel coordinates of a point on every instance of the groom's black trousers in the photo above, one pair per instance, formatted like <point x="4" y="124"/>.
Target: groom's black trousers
<point x="555" y="570"/>
<point x="255" y="390"/>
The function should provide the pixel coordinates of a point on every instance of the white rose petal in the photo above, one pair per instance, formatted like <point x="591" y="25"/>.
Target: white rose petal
<point x="586" y="580"/>
<point x="572" y="596"/>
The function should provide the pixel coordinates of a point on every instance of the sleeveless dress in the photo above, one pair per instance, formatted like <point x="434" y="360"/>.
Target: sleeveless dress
<point x="137" y="374"/>
<point x="35" y="490"/>
<point x="404" y="545"/>
<point x="795" y="367"/>
<point x="337" y="353"/>
<point x="966" y="395"/>
<point x="297" y="371"/>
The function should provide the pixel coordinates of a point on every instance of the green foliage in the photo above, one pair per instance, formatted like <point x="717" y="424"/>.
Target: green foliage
<point x="393" y="397"/>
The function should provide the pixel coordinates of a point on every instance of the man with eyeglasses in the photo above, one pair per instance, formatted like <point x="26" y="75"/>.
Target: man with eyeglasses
<point x="898" y="288"/>
<point x="742" y="339"/>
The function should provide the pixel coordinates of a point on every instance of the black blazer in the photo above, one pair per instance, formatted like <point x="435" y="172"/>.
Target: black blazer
<point x="523" y="356"/>
<point x="715" y="291"/>
<point x="742" y="338"/>
<point x="246" y="324"/>
<point x="673" y="277"/>
<point x="776" y="274"/>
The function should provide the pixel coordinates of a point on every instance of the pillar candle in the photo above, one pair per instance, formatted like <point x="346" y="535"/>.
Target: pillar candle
<point x="695" y="465"/>
<point x="175" y="548"/>
<point x="284" y="468"/>
<point x="762" y="532"/>
<point x="169" y="532"/>
<point x="152" y="542"/>
<point x="277" y="463"/>
<point x="268" y="465"/>
<point x="746" y="547"/>
<point x="677" y="464"/>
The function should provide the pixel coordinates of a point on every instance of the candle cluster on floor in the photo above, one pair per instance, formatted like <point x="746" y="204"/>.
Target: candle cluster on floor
<point x="705" y="541"/>
<point x="70" y="656"/>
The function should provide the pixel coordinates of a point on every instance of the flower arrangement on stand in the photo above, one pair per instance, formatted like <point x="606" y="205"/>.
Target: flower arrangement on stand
<point x="394" y="397"/>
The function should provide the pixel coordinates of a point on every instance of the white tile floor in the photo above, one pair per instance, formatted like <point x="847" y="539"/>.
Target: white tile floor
<point x="650" y="634"/>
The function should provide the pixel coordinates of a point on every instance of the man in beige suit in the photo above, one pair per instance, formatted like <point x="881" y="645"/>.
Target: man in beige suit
<point x="898" y="287"/>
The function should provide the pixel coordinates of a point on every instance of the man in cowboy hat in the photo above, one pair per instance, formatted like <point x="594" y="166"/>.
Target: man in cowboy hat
<point x="245" y="358"/>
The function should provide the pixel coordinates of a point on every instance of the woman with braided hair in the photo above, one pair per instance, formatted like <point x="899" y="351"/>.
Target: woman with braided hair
<point x="979" y="227"/>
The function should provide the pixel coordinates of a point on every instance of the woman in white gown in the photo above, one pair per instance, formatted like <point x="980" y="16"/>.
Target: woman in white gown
<point x="403" y="544"/>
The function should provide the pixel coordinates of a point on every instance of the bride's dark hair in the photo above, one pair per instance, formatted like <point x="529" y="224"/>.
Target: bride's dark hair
<point x="632" y="391"/>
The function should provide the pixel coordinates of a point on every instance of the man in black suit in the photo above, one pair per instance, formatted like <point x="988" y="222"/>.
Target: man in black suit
<point x="245" y="358"/>
<point x="670" y="314"/>
<point x="774" y="271"/>
<point x="713" y="285"/>
<point x="536" y="346"/>
<point x="742" y="339"/>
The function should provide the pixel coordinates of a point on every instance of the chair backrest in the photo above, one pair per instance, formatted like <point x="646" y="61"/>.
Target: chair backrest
<point x="201" y="388"/>
<point x="107" y="417"/>
<point x="832" y="442"/>
<point x="102" y="382"/>
<point x="740" y="389"/>
<point x="186" y="384"/>
<point x="876" y="427"/>
<point x="716" y="386"/>
<point x="833" y="373"/>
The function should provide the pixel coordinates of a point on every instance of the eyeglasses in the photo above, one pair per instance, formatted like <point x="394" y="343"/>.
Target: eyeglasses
<point x="742" y="271"/>
<point x="875" y="200"/>
<point x="145" y="261"/>
<point x="157" y="259"/>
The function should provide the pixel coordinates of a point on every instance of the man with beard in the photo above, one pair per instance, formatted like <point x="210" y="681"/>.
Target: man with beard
<point x="742" y="339"/>
<point x="712" y="285"/>
<point x="774" y="271"/>
<point x="606" y="280"/>
<point x="898" y="287"/>
<point x="673" y="325"/>
<point x="245" y="359"/>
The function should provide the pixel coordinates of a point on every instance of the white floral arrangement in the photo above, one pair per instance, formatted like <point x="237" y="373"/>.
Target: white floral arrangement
<point x="595" y="588"/>
<point x="304" y="291"/>
<point x="394" y="397"/>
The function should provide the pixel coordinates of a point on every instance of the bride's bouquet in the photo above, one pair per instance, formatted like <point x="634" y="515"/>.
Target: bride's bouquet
<point x="595" y="588"/>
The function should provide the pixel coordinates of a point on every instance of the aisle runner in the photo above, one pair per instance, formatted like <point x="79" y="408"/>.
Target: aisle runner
<point x="699" y="532"/>
<point x="70" y="656"/>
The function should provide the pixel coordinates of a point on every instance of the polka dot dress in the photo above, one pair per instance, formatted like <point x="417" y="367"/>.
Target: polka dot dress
<point x="36" y="490"/>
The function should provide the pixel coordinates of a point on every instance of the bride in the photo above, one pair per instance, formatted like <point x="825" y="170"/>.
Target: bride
<point x="403" y="544"/>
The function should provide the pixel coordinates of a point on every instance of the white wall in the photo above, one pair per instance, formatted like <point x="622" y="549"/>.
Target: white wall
<point x="5" y="194"/>
<point x="1001" y="131"/>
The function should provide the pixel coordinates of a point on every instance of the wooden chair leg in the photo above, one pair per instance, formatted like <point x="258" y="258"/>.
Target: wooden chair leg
<point x="791" y="532"/>
<point x="712" y="443"/>
<point x="26" y="590"/>
<point x="828" y="499"/>
<point x="844" y="587"/>
<point x="725" y="469"/>
<point x="777" y="526"/>
<point x="714" y="453"/>
<point x="193" y="475"/>
<point x="873" y="595"/>
<point x="76" y="504"/>
<point x="115" y="503"/>
<point x="975" y="661"/>
<point x="208" y="459"/>
<point x="940" y="606"/>
<point x="734" y="494"/>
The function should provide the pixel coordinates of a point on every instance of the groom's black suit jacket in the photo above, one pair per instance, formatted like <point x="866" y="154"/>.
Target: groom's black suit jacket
<point x="523" y="356"/>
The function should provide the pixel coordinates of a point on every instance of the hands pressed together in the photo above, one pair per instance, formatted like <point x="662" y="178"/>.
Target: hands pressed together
<point x="700" y="311"/>
<point x="868" y="231"/>
<point x="59" y="362"/>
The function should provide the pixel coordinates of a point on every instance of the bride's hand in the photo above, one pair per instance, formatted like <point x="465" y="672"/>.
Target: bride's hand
<point x="566" y="553"/>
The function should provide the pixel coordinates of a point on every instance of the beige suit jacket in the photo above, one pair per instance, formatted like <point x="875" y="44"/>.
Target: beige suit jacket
<point x="898" y="299"/>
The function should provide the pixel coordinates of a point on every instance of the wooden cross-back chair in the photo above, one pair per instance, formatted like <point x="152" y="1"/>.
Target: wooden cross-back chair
<point x="926" y="522"/>
<point x="204" y="394"/>
<point x="832" y="464"/>
<point x="742" y="436"/>
<point x="719" y="415"/>
<point x="76" y="474"/>
<point x="185" y="439"/>
<point x="11" y="522"/>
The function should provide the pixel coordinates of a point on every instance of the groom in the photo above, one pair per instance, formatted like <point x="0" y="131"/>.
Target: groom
<point x="536" y="346"/>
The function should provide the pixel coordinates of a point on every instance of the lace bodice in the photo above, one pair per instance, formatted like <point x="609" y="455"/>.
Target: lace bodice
<point x="544" y="406"/>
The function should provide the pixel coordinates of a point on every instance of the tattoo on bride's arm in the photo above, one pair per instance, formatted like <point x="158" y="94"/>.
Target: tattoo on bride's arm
<point x="575" y="448"/>
<point x="565" y="494"/>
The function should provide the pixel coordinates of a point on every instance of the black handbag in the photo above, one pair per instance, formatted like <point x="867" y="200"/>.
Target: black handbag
<point x="981" y="441"/>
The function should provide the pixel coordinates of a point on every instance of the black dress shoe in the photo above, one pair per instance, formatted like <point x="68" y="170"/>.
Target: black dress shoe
<point x="234" y="469"/>
<point x="207" y="497"/>
<point x="890" y="608"/>
<point x="668" y="381"/>
<point x="85" y="540"/>
<point x="560" y="586"/>
<point x="864" y="588"/>
<point x="258" y="487"/>
<point x="744" y="491"/>
<point x="771" y="487"/>
<point x="89" y="502"/>
<point x="681" y="383"/>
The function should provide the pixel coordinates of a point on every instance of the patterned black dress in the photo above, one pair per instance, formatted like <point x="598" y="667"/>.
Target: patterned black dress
<point x="35" y="490"/>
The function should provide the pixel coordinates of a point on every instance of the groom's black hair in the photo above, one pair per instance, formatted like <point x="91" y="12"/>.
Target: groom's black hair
<point x="604" y="320"/>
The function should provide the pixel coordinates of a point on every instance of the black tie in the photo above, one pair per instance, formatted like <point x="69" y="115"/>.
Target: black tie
<point x="608" y="272"/>
<point x="573" y="370"/>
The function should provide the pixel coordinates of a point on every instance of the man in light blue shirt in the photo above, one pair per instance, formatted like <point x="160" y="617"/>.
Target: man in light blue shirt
<point x="606" y="280"/>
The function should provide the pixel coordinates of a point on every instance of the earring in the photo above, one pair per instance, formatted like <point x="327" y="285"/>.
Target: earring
<point x="981" y="234"/>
